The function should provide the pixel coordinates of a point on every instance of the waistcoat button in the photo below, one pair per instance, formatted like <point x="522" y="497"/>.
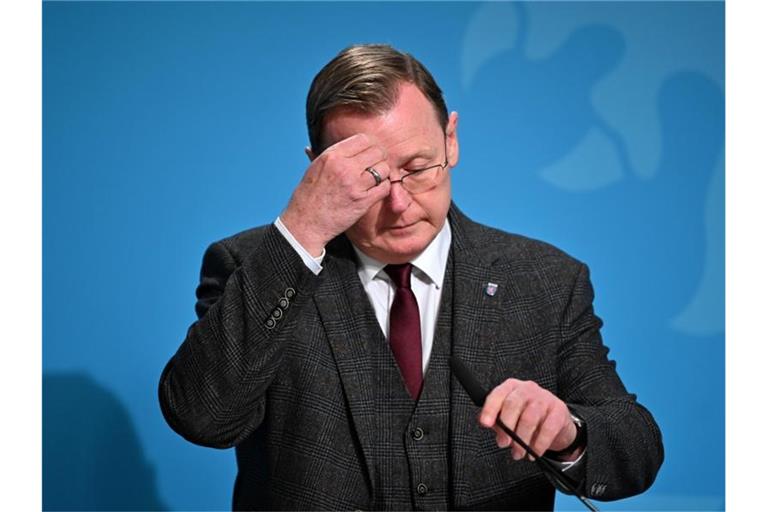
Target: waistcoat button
<point x="418" y="434"/>
<point x="422" y="488"/>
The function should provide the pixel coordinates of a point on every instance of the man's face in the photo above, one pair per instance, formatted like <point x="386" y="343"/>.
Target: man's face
<point x="398" y="228"/>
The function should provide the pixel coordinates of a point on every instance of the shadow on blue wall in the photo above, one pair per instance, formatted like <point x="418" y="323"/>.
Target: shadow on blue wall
<point x="92" y="458"/>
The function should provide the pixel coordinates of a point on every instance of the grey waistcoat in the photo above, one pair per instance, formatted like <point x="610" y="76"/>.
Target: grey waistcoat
<point x="411" y="465"/>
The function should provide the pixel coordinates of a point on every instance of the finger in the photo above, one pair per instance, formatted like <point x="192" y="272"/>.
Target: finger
<point x="550" y="428"/>
<point x="529" y="421"/>
<point x="494" y="402"/>
<point x="352" y="146"/>
<point x="377" y="193"/>
<point x="512" y="407"/>
<point x="367" y="176"/>
<point x="368" y="180"/>
<point x="373" y="156"/>
<point x="502" y="438"/>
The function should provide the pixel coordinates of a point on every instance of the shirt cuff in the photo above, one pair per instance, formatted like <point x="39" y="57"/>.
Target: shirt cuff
<point x="312" y="263"/>
<point x="565" y="466"/>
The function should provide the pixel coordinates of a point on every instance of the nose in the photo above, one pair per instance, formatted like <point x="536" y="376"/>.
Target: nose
<point x="399" y="199"/>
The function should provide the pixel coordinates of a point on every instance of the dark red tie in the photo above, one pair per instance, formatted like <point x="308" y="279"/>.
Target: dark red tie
<point x="405" y="327"/>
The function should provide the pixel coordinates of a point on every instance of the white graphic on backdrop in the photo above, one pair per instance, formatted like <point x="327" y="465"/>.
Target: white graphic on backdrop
<point x="625" y="102"/>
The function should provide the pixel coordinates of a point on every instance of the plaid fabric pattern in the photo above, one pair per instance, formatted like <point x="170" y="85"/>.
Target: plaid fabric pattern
<point x="411" y="464"/>
<point x="284" y="366"/>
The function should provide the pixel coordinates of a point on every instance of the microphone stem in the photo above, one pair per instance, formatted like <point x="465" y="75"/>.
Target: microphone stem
<point x="548" y="466"/>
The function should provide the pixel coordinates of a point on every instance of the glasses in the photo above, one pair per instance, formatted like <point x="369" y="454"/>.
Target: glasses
<point x="416" y="181"/>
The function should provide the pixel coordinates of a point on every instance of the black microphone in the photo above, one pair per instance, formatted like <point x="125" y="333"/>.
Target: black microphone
<point x="477" y="393"/>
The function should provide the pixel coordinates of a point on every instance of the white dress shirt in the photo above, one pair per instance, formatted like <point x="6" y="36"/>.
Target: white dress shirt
<point x="426" y="283"/>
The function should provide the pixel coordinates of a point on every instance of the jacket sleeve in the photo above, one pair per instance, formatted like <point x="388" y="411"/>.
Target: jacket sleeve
<point x="624" y="445"/>
<point x="212" y="391"/>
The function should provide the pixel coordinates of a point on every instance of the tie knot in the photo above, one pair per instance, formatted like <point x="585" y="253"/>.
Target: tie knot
<point x="400" y="274"/>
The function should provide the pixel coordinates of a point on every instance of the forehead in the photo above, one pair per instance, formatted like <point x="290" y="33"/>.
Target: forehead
<point x="411" y="123"/>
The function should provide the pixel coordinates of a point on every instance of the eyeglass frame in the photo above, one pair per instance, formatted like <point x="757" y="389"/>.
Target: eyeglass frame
<point x="410" y="173"/>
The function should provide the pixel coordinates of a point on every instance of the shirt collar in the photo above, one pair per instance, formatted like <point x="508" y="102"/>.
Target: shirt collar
<point x="430" y="262"/>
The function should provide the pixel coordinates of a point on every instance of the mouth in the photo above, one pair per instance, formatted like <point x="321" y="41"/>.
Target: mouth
<point x="402" y="229"/>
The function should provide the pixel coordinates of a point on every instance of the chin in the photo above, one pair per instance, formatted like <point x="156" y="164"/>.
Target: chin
<point x="402" y="251"/>
<point x="396" y="246"/>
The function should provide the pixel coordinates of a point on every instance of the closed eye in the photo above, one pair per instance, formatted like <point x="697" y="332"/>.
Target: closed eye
<point x="411" y="170"/>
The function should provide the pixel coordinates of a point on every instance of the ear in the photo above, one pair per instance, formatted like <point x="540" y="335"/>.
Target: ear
<point x="452" y="139"/>
<point x="310" y="154"/>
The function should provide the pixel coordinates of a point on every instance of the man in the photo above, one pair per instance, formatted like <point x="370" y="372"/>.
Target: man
<point x="322" y="343"/>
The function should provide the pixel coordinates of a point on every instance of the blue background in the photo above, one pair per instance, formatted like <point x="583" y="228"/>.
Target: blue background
<point x="598" y="127"/>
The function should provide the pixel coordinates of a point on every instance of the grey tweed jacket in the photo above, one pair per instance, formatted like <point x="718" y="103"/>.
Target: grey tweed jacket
<point x="278" y="366"/>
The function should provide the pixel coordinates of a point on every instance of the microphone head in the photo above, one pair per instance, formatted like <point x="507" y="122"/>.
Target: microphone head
<point x="468" y="381"/>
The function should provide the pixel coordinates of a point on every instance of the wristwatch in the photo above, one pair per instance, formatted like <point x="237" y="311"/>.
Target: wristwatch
<point x="579" y="441"/>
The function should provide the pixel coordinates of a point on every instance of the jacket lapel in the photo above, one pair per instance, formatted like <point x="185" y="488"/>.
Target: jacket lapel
<point x="478" y="292"/>
<point x="341" y="302"/>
